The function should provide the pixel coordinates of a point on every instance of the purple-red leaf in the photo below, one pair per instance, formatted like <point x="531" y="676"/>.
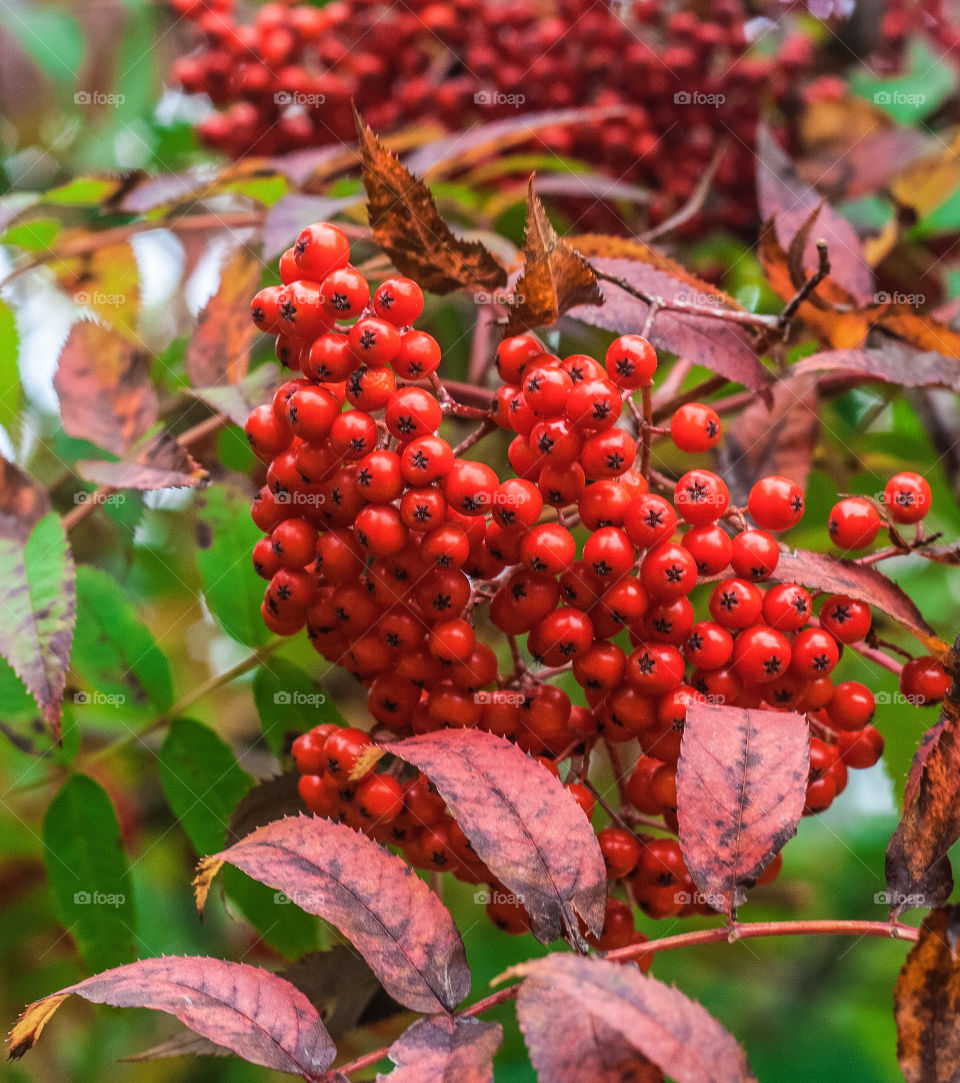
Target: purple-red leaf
<point x="258" y="1015"/>
<point x="374" y="898"/>
<point x="442" y="1049"/>
<point x="741" y="784"/>
<point x="569" y="1007"/>
<point x="219" y="348"/>
<point x="894" y="363"/>
<point x="524" y="825"/>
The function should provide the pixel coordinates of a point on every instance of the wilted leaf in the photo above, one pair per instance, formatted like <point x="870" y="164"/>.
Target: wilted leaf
<point x="863" y="582"/>
<point x="23" y="502"/>
<point x="927" y="743"/>
<point x="564" y="999"/>
<point x="917" y="865"/>
<point x="219" y="348"/>
<point x="258" y="1015"/>
<point x="269" y="800"/>
<point x="741" y="786"/>
<point x="374" y="898"/>
<point x="40" y="611"/>
<point x="927" y="1002"/>
<point x="407" y="226"/>
<point x="235" y="401"/>
<point x="105" y="279"/>
<point x="555" y="277"/>
<point x="88" y="875"/>
<point x="162" y="464"/>
<point x="442" y="1049"/>
<point x="892" y="362"/>
<point x="529" y="831"/>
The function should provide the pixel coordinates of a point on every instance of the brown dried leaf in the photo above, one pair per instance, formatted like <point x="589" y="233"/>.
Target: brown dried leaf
<point x="162" y="464"/>
<point x="374" y="898"/>
<point x="657" y="1021"/>
<point x="441" y="1049"/>
<point x="528" y="830"/>
<point x="23" y="502"/>
<point x="926" y="1002"/>
<point x="917" y="865"/>
<point x="927" y="744"/>
<point x="741" y="785"/>
<point x="106" y="279"/>
<point x="407" y="226"/>
<point x="923" y="331"/>
<point x="555" y="277"/>
<point x="106" y="393"/>
<point x="219" y="348"/>
<point x="892" y="362"/>
<point x="258" y="1015"/>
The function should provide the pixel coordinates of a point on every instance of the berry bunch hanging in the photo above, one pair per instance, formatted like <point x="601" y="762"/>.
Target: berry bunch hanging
<point x="408" y="563"/>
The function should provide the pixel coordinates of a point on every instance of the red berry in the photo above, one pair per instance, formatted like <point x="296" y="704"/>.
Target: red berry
<point x="907" y="497"/>
<point x="787" y="607"/>
<point x="755" y="554"/>
<point x="760" y="654"/>
<point x="924" y="680"/>
<point x="320" y="249"/>
<point x="695" y="428"/>
<point x="399" y="300"/>
<point x="344" y="293"/>
<point x="735" y="603"/>
<point x="701" y="497"/>
<point x="846" y="619"/>
<point x="851" y="706"/>
<point x="853" y="523"/>
<point x="775" y="503"/>
<point x="668" y="571"/>
<point x="631" y="361"/>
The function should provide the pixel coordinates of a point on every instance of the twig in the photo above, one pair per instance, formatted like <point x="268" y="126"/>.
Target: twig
<point x="617" y="766"/>
<point x="483" y="429"/>
<point x="646" y="434"/>
<point x="695" y="394"/>
<point x="694" y="202"/>
<point x="823" y="269"/>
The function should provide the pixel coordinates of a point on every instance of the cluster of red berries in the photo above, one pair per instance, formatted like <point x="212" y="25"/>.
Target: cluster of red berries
<point x="685" y="80"/>
<point x="388" y="547"/>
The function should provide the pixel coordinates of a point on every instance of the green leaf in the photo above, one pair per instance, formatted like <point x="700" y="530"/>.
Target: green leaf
<point x="82" y="191"/>
<point x="288" y="699"/>
<point x="113" y="652"/>
<point x="202" y="782"/>
<point x="36" y="624"/>
<point x="913" y="96"/>
<point x="11" y="390"/>
<point x="286" y="927"/>
<point x="87" y="871"/>
<point x="51" y="37"/>
<point x="226" y="536"/>
<point x="35" y="235"/>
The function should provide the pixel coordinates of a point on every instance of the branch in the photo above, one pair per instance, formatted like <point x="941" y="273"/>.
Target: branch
<point x="696" y="200"/>
<point x="823" y="269"/>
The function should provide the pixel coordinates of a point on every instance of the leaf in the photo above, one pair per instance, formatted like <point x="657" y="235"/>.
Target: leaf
<point x="88" y="875"/>
<point x="923" y="331"/>
<point x="289" y="215"/>
<point x="201" y="781"/>
<point x="555" y="277"/>
<point x="258" y="1015"/>
<point x="106" y="280"/>
<point x="226" y="536"/>
<point x="106" y="394"/>
<point x="925" y="1002"/>
<point x="917" y="866"/>
<point x="892" y="362"/>
<point x="23" y="502"/>
<point x="161" y="464"/>
<point x="444" y="1050"/>
<point x="265" y="802"/>
<point x="773" y="437"/>
<point x="741" y="786"/>
<point x="859" y="581"/>
<point x="407" y="226"/>
<point x="375" y="899"/>
<point x="289" y="701"/>
<point x="219" y="348"/>
<point x="40" y="611"/>
<point x="720" y="346"/>
<point x="235" y="401"/>
<point x="522" y="823"/>
<point x="923" y="86"/>
<point x="927" y="743"/>
<point x="11" y="390"/>
<point x="927" y="182"/>
<point x="789" y="202"/>
<point x="569" y="1006"/>
<point x="113" y="652"/>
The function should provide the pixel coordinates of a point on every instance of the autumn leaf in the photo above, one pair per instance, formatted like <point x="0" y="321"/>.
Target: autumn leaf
<point x="105" y="279"/>
<point x="235" y="401"/>
<point x="928" y="181"/>
<point x="923" y="331"/>
<point x="23" y="502"/>
<point x="257" y="1015"/>
<point x="161" y="464"/>
<point x="891" y="362"/>
<point x="219" y="348"/>
<point x="269" y="800"/>
<point x="528" y="830"/>
<point x="407" y="226"/>
<point x="106" y="393"/>
<point x="569" y="1008"/>
<point x="555" y="277"/>
<point x="441" y="1049"/>
<point x="917" y="865"/>
<point x="926" y="1002"/>
<point x="741" y="785"/>
<point x="374" y="898"/>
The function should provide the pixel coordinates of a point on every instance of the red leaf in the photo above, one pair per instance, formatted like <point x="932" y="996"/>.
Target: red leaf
<point x="722" y="347"/>
<point x="894" y="363"/>
<point x="523" y="824"/>
<point x="784" y="197"/>
<point x="741" y="785"/>
<point x="261" y="1017"/>
<point x="219" y="348"/>
<point x="917" y="865"/>
<point x="162" y="464"/>
<point x="106" y="394"/>
<point x="569" y="1006"/>
<point x="927" y="743"/>
<point x="445" y="1050"/>
<point x="23" y="502"/>
<point x="375" y="899"/>
<point x="926" y="1000"/>
<point x="858" y="581"/>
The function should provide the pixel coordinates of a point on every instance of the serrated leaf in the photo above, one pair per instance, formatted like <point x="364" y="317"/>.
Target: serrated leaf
<point x="219" y="348"/>
<point x="88" y="875"/>
<point x="892" y="362"/>
<point x="289" y="701"/>
<point x="441" y="1049"/>
<point x="36" y="629"/>
<point x="160" y="464"/>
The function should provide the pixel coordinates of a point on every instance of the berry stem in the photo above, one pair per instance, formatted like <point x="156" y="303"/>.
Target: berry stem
<point x="617" y="764"/>
<point x="646" y="434"/>
<point x="605" y="805"/>
<point x="699" y="393"/>
<point x="483" y="429"/>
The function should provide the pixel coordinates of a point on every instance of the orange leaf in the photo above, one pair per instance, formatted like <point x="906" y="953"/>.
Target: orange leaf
<point x="923" y="331"/>
<point x="219" y="348"/>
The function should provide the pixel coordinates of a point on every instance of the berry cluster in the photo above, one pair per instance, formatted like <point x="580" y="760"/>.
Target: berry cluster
<point x="389" y="548"/>
<point x="686" y="81"/>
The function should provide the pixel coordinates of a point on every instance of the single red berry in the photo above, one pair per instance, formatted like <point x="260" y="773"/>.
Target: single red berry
<point x="342" y="750"/>
<point x="548" y="549"/>
<point x="695" y="428"/>
<point x="320" y="249"/>
<point x="846" y="619"/>
<point x="755" y="554"/>
<point x="701" y="497"/>
<point x="374" y="341"/>
<point x="860" y="749"/>
<point x="668" y="571"/>
<point x="853" y="523"/>
<point x="814" y="653"/>
<point x="775" y="503"/>
<point x="851" y="706"/>
<point x="787" y="607"/>
<point x="760" y="654"/>
<point x="380" y="798"/>
<point x="708" y="645"/>
<point x="649" y="519"/>
<point x="735" y="603"/>
<point x="631" y="362"/>
<point x="419" y="356"/>
<point x="399" y="300"/>
<point x="344" y="293"/>
<point x="710" y="546"/>
<point x="514" y="354"/>
<point x="907" y="497"/>
<point x="924" y="680"/>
